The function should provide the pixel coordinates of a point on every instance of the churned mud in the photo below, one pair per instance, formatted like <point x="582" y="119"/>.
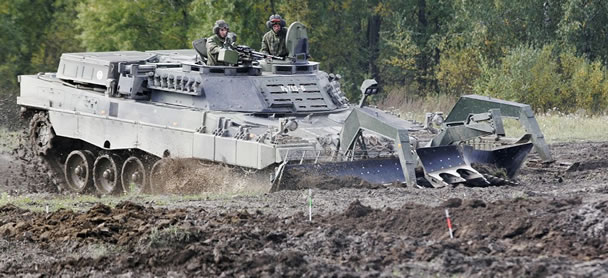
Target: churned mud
<point x="191" y="176"/>
<point x="504" y="238"/>
<point x="22" y="172"/>
<point x="550" y="222"/>
<point x="297" y="179"/>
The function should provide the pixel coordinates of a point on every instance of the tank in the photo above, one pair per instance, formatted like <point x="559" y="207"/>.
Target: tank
<point x="108" y="122"/>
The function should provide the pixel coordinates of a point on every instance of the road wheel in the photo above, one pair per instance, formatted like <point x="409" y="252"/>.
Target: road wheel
<point x="134" y="176"/>
<point x="106" y="174"/>
<point x="78" y="171"/>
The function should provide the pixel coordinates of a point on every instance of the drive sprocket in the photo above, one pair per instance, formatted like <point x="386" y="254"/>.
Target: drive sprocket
<point x="41" y="134"/>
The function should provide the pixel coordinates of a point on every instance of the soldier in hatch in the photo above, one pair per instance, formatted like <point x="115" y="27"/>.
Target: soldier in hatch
<point x="273" y="42"/>
<point x="217" y="42"/>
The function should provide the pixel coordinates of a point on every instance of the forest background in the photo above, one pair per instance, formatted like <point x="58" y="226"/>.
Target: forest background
<point x="551" y="54"/>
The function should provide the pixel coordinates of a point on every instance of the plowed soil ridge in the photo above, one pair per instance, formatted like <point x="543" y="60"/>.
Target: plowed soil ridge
<point x="533" y="237"/>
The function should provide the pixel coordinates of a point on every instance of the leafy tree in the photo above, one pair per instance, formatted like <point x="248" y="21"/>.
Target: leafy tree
<point x="527" y="75"/>
<point x="398" y="60"/>
<point x="9" y="49"/>
<point x="496" y="26"/>
<point x="591" y="87"/>
<point x="585" y="26"/>
<point x="413" y="33"/>
<point x="549" y="53"/>
<point x="547" y="80"/>
<point x="458" y="67"/>
<point x="133" y="25"/>
<point x="246" y="18"/>
<point x="23" y="25"/>
<point x="60" y="36"/>
<point x="337" y="36"/>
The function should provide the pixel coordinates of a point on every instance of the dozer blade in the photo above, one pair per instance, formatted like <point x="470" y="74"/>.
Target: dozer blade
<point x="445" y="165"/>
<point x="508" y="158"/>
<point x="375" y="171"/>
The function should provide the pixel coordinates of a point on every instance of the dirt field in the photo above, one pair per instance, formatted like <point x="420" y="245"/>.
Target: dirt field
<point x="553" y="223"/>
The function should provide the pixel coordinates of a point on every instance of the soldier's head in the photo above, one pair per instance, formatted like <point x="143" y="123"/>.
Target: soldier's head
<point x="221" y="28"/>
<point x="275" y="23"/>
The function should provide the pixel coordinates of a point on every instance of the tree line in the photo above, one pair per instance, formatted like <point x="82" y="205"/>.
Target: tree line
<point x="551" y="54"/>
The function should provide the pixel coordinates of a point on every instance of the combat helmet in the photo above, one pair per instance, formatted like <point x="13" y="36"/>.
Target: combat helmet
<point x="220" y="24"/>
<point x="274" y="19"/>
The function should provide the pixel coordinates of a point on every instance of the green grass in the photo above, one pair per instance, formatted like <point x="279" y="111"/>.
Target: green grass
<point x="569" y="128"/>
<point x="77" y="202"/>
<point x="564" y="128"/>
<point x="168" y="237"/>
<point x="56" y="202"/>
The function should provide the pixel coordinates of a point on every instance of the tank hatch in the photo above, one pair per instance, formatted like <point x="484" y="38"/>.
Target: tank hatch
<point x="297" y="42"/>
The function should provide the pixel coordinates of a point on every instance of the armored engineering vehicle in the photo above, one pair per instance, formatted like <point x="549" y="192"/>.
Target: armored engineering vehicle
<point x="107" y="121"/>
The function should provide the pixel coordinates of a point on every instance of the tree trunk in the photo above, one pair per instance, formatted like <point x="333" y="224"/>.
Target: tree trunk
<point x="373" y="37"/>
<point x="422" y="28"/>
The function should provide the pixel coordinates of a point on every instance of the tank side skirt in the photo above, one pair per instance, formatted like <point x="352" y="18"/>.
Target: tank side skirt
<point x="155" y="139"/>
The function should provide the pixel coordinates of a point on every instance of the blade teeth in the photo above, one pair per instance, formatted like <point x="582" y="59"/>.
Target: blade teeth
<point x="451" y="177"/>
<point x="458" y="175"/>
<point x="474" y="177"/>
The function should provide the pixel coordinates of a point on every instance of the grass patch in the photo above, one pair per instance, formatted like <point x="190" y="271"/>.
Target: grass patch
<point x="75" y="202"/>
<point x="569" y="128"/>
<point x="169" y="237"/>
<point x="36" y="202"/>
<point x="564" y="128"/>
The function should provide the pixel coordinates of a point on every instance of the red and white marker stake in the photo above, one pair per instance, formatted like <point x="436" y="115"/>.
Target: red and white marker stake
<point x="447" y="216"/>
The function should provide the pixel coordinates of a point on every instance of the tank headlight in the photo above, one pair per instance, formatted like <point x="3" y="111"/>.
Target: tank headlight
<point x="291" y="125"/>
<point x="438" y="118"/>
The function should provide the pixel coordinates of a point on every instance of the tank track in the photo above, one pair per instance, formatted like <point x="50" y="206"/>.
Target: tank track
<point x="102" y="173"/>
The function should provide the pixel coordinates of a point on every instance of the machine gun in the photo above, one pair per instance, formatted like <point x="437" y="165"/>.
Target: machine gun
<point x="233" y="53"/>
<point x="244" y="53"/>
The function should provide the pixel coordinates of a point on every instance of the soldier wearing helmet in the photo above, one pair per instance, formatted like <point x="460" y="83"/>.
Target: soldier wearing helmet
<point x="273" y="42"/>
<point x="217" y="42"/>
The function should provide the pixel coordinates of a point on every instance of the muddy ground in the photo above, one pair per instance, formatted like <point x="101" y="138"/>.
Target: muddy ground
<point x="553" y="223"/>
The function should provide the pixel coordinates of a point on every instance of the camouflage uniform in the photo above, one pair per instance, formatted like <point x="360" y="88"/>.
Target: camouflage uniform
<point x="274" y="44"/>
<point x="214" y="44"/>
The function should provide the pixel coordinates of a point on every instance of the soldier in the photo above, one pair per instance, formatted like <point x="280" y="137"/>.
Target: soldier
<point x="273" y="42"/>
<point x="217" y="42"/>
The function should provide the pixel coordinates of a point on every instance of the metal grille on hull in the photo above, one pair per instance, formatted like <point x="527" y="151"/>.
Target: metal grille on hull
<point x="302" y="96"/>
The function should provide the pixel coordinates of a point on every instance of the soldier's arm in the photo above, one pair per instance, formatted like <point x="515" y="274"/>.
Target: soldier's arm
<point x="265" y="49"/>
<point x="212" y="47"/>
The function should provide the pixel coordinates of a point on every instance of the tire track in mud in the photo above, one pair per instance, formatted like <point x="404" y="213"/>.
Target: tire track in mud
<point x="524" y="237"/>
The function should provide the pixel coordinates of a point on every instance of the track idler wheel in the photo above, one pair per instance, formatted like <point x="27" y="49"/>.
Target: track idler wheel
<point x="41" y="133"/>
<point x="134" y="176"/>
<point x="78" y="171"/>
<point x="106" y="174"/>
